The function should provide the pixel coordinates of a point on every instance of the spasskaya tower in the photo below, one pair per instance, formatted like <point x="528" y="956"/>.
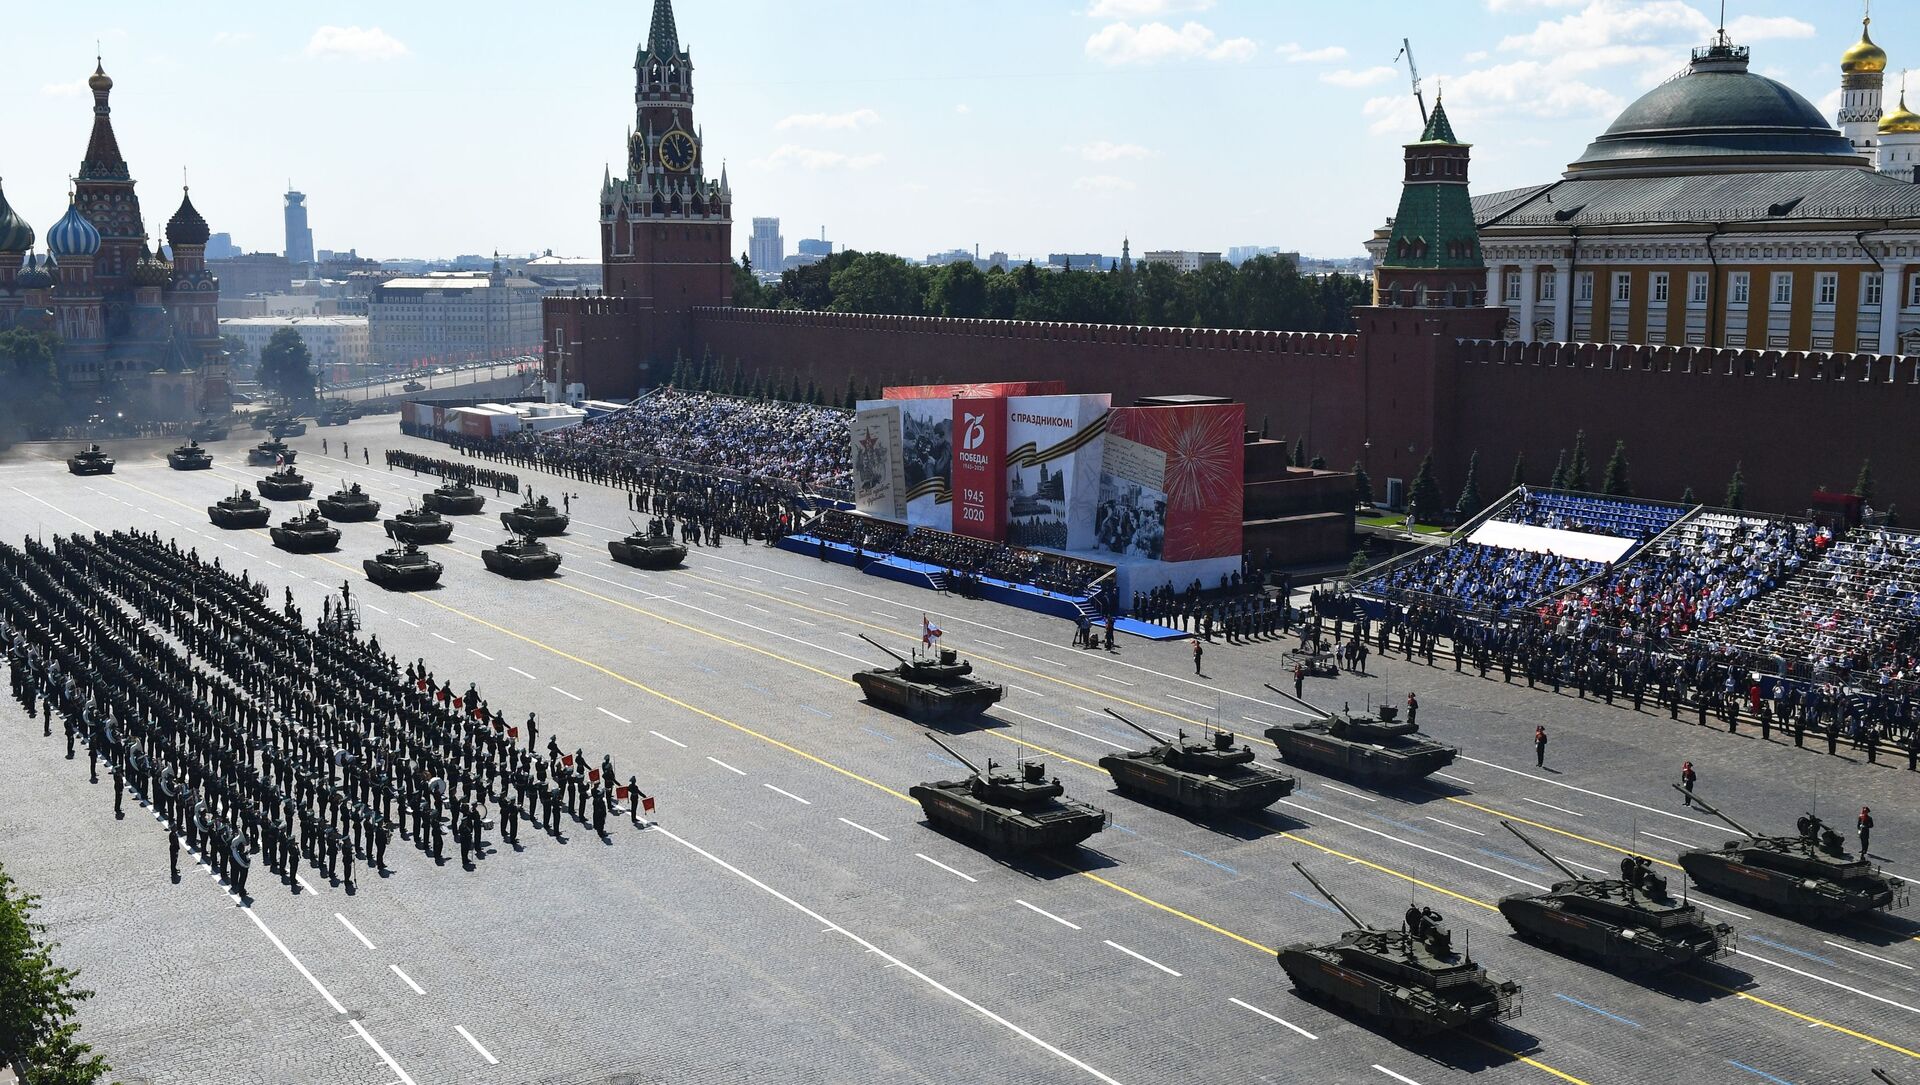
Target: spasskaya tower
<point x="666" y="237"/>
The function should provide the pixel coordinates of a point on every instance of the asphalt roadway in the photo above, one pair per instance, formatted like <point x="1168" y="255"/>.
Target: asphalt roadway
<point x="791" y="918"/>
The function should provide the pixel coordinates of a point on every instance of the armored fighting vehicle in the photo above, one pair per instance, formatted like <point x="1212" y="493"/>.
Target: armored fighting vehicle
<point x="535" y="516"/>
<point x="334" y="414"/>
<point x="241" y="510"/>
<point x="413" y="386"/>
<point x="190" y="457"/>
<point x="288" y="427"/>
<point x="262" y="419"/>
<point x="453" y="499"/>
<point x="419" y="526"/>
<point x="647" y="550"/>
<point x="209" y="429"/>
<point x="1630" y="923"/>
<point x="522" y="557"/>
<point x="403" y="568"/>
<point x="349" y="504"/>
<point x="1809" y="875"/>
<point x="1016" y="813"/>
<point x="306" y="534"/>
<point x="286" y="484"/>
<point x="937" y="688"/>
<point x="1409" y="980"/>
<point x="270" y="452"/>
<point x="90" y="461"/>
<point x="1378" y="749"/>
<point x="1211" y="777"/>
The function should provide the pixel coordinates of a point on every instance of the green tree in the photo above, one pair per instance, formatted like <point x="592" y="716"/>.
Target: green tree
<point x="1299" y="456"/>
<point x="747" y="291"/>
<point x="1687" y="498"/>
<point x="1616" y="483"/>
<point x="32" y="396"/>
<point x="1577" y="467"/>
<point x="1736" y="490"/>
<point x="1424" y="497"/>
<point x="957" y="290"/>
<point x="1469" y="502"/>
<point x="38" y="1037"/>
<point x="853" y="394"/>
<point x="1863" y="482"/>
<point x="1519" y="471"/>
<point x="1358" y="563"/>
<point x="876" y="282"/>
<point x="1558" y="480"/>
<point x="1318" y="462"/>
<point x="1362" y="488"/>
<point x="286" y="368"/>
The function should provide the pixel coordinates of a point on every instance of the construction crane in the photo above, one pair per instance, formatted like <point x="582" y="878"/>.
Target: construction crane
<point x="1406" y="50"/>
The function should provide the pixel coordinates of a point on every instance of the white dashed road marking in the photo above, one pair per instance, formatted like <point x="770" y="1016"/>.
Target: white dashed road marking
<point x="726" y="766"/>
<point x="788" y="794"/>
<point x="355" y="930"/>
<point x="564" y="693"/>
<point x="406" y="979"/>
<point x="1272" y="1018"/>
<point x="945" y="867"/>
<point x="1140" y="956"/>
<point x="664" y="738"/>
<point x="1044" y="912"/>
<point x="484" y="1053"/>
<point x="866" y="830"/>
<point x="604" y="712"/>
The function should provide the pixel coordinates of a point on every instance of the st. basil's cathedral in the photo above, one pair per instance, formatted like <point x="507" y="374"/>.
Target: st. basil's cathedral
<point x="130" y="316"/>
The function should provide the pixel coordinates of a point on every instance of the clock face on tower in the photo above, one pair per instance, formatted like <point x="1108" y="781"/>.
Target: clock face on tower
<point x="678" y="151"/>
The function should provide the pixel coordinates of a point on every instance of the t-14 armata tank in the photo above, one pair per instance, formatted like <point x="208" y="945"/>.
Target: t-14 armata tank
<point x="1809" y="875"/>
<point x="306" y="534"/>
<point x="647" y="550"/>
<point x="535" y="516"/>
<point x="90" y="461"/>
<point x="1630" y="923"/>
<point x="1211" y="777"/>
<point x="1376" y="749"/>
<point x="419" y="526"/>
<point x="522" y="557"/>
<point x="286" y="484"/>
<point x="1409" y="980"/>
<point x="453" y="499"/>
<point x="190" y="457"/>
<point x="349" y="504"/>
<point x="403" y="568"/>
<point x="940" y="688"/>
<point x="241" y="510"/>
<point x="1012" y="812"/>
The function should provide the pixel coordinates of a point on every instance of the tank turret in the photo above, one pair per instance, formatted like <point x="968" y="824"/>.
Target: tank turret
<point x="535" y="516"/>
<point x="1809" y="875"/>
<point x="1019" y="811"/>
<point x="403" y="568"/>
<point x="306" y="533"/>
<point x="1377" y="749"/>
<point x="242" y="510"/>
<point x="1197" y="777"/>
<point x="453" y="498"/>
<point x="522" y="557"/>
<point x="349" y="504"/>
<point x="938" y="687"/>
<point x="286" y="484"/>
<point x="90" y="461"/>
<point x="190" y="457"/>
<point x="647" y="550"/>
<point x="271" y="452"/>
<point x="419" y="526"/>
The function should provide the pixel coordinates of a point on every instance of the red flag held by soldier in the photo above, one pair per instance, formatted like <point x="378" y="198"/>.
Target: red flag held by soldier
<point x="646" y="803"/>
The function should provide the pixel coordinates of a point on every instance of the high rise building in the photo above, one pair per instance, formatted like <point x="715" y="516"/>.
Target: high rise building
<point x="299" y="237"/>
<point x="766" y="248"/>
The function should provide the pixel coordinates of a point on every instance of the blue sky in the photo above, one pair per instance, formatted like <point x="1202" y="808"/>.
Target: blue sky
<point x="430" y="129"/>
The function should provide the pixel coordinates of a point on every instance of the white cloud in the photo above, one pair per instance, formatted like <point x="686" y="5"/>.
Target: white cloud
<point x="1104" y="151"/>
<point x="1611" y="22"/>
<point x="1523" y="5"/>
<point x="857" y="118"/>
<point x="1104" y="182"/>
<point x="232" y="37"/>
<point x="1765" y="28"/>
<point x="1475" y="57"/>
<point x="1829" y="102"/>
<point x="1295" y="54"/>
<point x="814" y="158"/>
<point x="76" y="89"/>
<point x="1363" y="77"/>
<point x="1123" y="43"/>
<point x="1143" y="9"/>
<point x="355" y="43"/>
<point x="963" y="109"/>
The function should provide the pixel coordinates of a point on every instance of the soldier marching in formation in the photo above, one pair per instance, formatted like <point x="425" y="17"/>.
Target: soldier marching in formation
<point x="250" y="735"/>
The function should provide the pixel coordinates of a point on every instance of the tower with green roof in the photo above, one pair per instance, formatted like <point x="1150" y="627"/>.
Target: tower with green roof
<point x="1433" y="257"/>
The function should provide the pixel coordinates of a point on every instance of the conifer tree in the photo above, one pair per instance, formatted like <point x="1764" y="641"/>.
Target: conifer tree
<point x="1616" y="483"/>
<point x="1736" y="490"/>
<point x="1577" y="467"/>
<point x="1469" y="502"/>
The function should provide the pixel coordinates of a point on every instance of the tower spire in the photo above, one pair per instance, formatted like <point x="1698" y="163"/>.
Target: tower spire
<point x="663" y="39"/>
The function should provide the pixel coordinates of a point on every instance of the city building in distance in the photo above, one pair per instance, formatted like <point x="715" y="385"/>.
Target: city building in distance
<point x="448" y="317"/>
<point x="1182" y="260"/>
<point x="299" y="235"/>
<point x="338" y="344"/>
<point x="766" y="249"/>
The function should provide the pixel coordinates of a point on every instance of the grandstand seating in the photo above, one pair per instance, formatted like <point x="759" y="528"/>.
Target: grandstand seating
<point x="1856" y="607"/>
<point x="1591" y="513"/>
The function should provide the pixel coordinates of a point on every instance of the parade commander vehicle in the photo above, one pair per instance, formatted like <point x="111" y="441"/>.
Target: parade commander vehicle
<point x="90" y="461"/>
<point x="938" y="688"/>
<point x="1018" y="812"/>
<point x="535" y="516"/>
<point x="286" y="484"/>
<point x="349" y="504"/>
<point x="1211" y="777"/>
<point x="241" y="510"/>
<point x="647" y="550"/>
<point x="306" y="534"/>
<point x="190" y="457"/>
<point x="1809" y="875"/>
<point x="1377" y="750"/>
<point x="1410" y="981"/>
<point x="522" y="557"/>
<point x="453" y="499"/>
<point x="419" y="526"/>
<point x="404" y="568"/>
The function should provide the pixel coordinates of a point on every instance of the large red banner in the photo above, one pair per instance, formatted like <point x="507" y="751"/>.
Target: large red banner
<point x="1205" y="475"/>
<point x="951" y="391"/>
<point x="980" y="468"/>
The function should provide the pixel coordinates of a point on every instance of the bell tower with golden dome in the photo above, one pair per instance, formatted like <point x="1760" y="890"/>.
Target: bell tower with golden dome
<point x="1900" y="140"/>
<point x="1863" y="73"/>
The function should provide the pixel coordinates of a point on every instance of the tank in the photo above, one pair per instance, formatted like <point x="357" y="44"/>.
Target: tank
<point x="413" y="386"/>
<point x="522" y="557"/>
<point x="936" y="688"/>
<point x="1208" y="777"/>
<point x="286" y="484"/>
<point x="270" y="452"/>
<point x="306" y="533"/>
<point x="1630" y="923"/>
<point x="288" y="427"/>
<point x="1809" y="875"/>
<point x="334" y="415"/>
<point x="1378" y="749"/>
<point x="241" y="510"/>
<point x="453" y="499"/>
<point x="262" y="419"/>
<point x="403" y="568"/>
<point x="419" y="526"/>
<point x="90" y="461"/>
<point x="535" y="516"/>
<point x="209" y="429"/>
<point x="1410" y="981"/>
<point x="647" y="550"/>
<point x="190" y="457"/>
<point x="349" y="504"/>
<point x="1021" y="811"/>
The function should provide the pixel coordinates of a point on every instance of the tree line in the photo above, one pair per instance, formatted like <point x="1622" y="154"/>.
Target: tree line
<point x="1265" y="293"/>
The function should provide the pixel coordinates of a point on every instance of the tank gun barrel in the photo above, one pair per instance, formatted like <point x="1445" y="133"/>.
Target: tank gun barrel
<point x="897" y="656"/>
<point x="1314" y="708"/>
<point x="955" y="753"/>
<point x="1542" y="852"/>
<point x="1709" y="808"/>
<point x="1884" y="1076"/>
<point x="1331" y="899"/>
<point x="1155" y="738"/>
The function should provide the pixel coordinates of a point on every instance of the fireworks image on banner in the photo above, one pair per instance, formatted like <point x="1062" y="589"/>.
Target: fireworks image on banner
<point x="1205" y="456"/>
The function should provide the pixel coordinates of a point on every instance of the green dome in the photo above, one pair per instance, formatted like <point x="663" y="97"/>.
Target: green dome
<point x="1717" y="118"/>
<point x="15" y="234"/>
